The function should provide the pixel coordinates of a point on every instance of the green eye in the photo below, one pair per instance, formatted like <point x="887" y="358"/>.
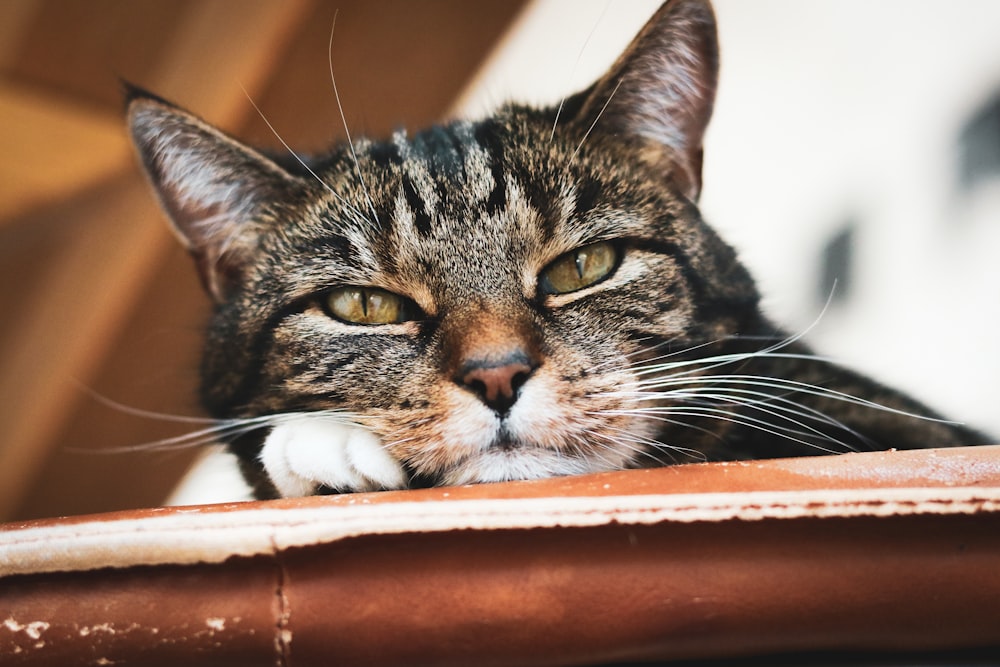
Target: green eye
<point x="579" y="268"/>
<point x="367" y="305"/>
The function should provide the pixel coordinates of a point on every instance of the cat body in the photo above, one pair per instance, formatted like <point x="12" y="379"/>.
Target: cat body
<point x="527" y="295"/>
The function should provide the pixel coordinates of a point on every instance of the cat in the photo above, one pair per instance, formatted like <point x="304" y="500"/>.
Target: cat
<point x="527" y="295"/>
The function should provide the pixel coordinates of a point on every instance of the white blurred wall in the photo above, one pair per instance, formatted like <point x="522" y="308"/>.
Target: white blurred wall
<point x="830" y="111"/>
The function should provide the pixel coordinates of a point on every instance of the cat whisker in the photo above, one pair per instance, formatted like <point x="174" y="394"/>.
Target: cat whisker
<point x="744" y="391"/>
<point x="302" y="162"/>
<point x="650" y="362"/>
<point x="788" y="432"/>
<point x="734" y="418"/>
<point x="590" y="129"/>
<point x="577" y="448"/>
<point x="770" y="351"/>
<point x="652" y="442"/>
<point x="675" y="422"/>
<point x="796" y="337"/>
<point x="733" y="389"/>
<point x="650" y="365"/>
<point x="694" y="367"/>
<point x="624" y="437"/>
<point x="785" y="385"/>
<point x="139" y="412"/>
<point x="576" y="63"/>
<point x="780" y="408"/>
<point x="698" y="367"/>
<point x="343" y="120"/>
<point x="580" y="450"/>
<point x="718" y="360"/>
<point x="217" y="433"/>
<point x="399" y="441"/>
<point x="206" y="436"/>
<point x="747" y="398"/>
<point x="631" y="355"/>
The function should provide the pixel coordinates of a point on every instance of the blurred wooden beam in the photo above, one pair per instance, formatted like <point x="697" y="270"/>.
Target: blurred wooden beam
<point x="81" y="294"/>
<point x="15" y="16"/>
<point x="54" y="144"/>
<point x="398" y="64"/>
<point x="224" y="47"/>
<point x="113" y="244"/>
<point x="53" y="148"/>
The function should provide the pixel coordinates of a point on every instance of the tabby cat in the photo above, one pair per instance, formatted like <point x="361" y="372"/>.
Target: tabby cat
<point x="527" y="295"/>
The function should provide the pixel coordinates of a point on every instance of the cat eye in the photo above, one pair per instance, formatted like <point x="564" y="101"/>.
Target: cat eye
<point x="579" y="268"/>
<point x="368" y="305"/>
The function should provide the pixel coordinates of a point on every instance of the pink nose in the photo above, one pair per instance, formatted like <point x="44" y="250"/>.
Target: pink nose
<point x="497" y="383"/>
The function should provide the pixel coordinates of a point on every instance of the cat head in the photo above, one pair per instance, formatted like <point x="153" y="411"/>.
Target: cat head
<point x="479" y="295"/>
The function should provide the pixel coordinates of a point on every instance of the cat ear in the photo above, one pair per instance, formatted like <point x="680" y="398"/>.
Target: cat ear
<point x="213" y="188"/>
<point x="659" y="93"/>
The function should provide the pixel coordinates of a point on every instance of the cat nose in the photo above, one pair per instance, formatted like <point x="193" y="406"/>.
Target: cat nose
<point x="497" y="381"/>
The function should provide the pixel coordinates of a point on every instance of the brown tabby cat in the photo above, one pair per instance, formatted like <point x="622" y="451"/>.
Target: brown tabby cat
<point x="528" y="295"/>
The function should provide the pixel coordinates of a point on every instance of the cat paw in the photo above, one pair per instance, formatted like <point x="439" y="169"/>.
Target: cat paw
<point x="304" y="453"/>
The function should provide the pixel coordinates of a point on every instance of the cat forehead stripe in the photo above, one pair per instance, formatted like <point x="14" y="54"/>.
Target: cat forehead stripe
<point x="417" y="185"/>
<point x="478" y="165"/>
<point x="446" y="162"/>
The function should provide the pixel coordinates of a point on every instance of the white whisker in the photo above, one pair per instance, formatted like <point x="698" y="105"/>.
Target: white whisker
<point x="734" y="418"/>
<point x="738" y="396"/>
<point x="594" y="124"/>
<point x="627" y="436"/>
<point x="343" y="120"/>
<point x="197" y="438"/>
<point x="613" y="445"/>
<point x="302" y="162"/>
<point x="780" y="413"/>
<point x="576" y="63"/>
<point x="716" y="361"/>
<point x="139" y="412"/>
<point x="218" y="432"/>
<point x="782" y="384"/>
<point x="635" y="353"/>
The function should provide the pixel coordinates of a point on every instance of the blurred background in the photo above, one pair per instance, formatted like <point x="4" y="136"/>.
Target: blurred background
<point x="854" y="141"/>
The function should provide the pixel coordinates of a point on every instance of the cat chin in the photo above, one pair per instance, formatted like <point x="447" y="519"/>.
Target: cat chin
<point x="304" y="453"/>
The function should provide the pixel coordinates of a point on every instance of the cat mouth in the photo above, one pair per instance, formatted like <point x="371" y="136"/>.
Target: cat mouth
<point x="505" y="442"/>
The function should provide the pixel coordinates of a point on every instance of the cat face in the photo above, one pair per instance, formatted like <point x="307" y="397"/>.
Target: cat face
<point x="480" y="297"/>
<point x="485" y="318"/>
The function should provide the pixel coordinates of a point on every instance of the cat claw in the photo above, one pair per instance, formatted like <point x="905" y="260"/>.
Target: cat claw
<point x="304" y="453"/>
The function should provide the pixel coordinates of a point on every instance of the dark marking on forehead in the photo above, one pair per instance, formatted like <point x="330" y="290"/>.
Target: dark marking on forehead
<point x="421" y="217"/>
<point x="545" y="199"/>
<point x="443" y="152"/>
<point x="385" y="155"/>
<point x="337" y="246"/>
<point x="587" y="192"/>
<point x="487" y="136"/>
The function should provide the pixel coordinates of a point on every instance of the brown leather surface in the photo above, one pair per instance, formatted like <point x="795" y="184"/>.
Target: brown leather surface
<point x="893" y="551"/>
<point x="166" y="615"/>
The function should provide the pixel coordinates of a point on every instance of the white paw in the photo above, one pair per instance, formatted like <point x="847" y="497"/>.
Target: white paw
<point x="305" y="452"/>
